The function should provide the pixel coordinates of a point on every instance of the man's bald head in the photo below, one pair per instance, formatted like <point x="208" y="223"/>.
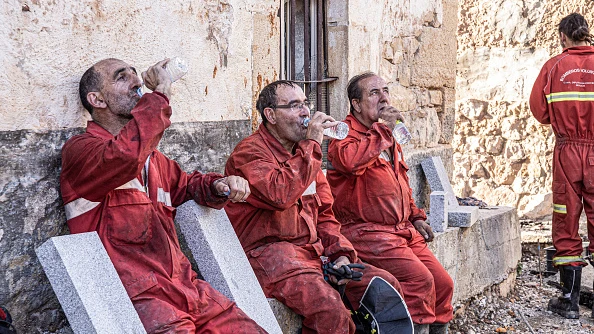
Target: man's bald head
<point x="92" y="81"/>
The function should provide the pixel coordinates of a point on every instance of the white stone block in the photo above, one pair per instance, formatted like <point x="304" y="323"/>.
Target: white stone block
<point x="462" y="216"/>
<point x="87" y="285"/>
<point x="222" y="261"/>
<point x="438" y="217"/>
<point x="438" y="178"/>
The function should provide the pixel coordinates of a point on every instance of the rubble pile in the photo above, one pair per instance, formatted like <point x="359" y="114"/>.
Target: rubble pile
<point x="523" y="311"/>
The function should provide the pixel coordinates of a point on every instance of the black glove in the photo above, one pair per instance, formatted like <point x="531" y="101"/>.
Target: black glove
<point x="344" y="272"/>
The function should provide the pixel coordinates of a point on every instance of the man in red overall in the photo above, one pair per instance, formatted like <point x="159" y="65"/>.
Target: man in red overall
<point x="115" y="181"/>
<point x="563" y="96"/>
<point x="287" y="223"/>
<point x="373" y="202"/>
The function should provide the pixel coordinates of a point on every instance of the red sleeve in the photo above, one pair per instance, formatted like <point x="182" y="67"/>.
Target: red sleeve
<point x="538" y="99"/>
<point x="95" y="166"/>
<point x="353" y="155"/>
<point x="196" y="186"/>
<point x="335" y="244"/>
<point x="275" y="187"/>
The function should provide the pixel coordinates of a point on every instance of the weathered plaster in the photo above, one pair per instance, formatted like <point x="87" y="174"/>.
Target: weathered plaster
<point x="47" y="49"/>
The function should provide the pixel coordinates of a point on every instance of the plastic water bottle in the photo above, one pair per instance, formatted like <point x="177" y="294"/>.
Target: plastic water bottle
<point x="339" y="131"/>
<point x="177" y="68"/>
<point x="401" y="133"/>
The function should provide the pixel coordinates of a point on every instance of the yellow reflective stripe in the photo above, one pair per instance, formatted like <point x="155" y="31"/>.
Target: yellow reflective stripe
<point x="560" y="208"/>
<point x="557" y="260"/>
<point x="570" y="96"/>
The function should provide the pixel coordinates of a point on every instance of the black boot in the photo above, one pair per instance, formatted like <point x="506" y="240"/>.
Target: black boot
<point x="567" y="305"/>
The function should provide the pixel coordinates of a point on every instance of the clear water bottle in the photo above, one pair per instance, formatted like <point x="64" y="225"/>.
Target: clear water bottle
<point x="339" y="131"/>
<point x="177" y="68"/>
<point x="401" y="133"/>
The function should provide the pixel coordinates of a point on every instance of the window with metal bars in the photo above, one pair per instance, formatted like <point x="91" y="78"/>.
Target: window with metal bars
<point x="304" y="51"/>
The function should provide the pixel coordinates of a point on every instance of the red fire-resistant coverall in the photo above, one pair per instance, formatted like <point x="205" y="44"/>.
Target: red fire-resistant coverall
<point x="105" y="188"/>
<point x="563" y="96"/>
<point x="287" y="224"/>
<point x="373" y="202"/>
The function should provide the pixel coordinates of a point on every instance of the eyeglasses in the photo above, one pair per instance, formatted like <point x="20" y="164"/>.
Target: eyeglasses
<point x="297" y="106"/>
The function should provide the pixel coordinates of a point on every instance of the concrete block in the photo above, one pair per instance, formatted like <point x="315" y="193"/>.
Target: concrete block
<point x="438" y="217"/>
<point x="438" y="178"/>
<point x="462" y="216"/>
<point x="222" y="261"/>
<point x="288" y="320"/>
<point x="87" y="285"/>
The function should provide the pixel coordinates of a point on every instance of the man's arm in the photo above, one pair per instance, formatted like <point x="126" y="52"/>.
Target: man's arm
<point x="538" y="100"/>
<point x="274" y="186"/>
<point x="353" y="155"/>
<point x="95" y="166"/>
<point x="335" y="244"/>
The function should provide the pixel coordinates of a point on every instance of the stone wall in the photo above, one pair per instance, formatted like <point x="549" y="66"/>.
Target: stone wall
<point x="501" y="153"/>
<point x="45" y="48"/>
<point x="232" y="48"/>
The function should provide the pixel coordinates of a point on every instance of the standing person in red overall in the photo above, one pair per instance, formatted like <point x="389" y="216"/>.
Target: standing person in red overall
<point x="115" y="181"/>
<point x="563" y="96"/>
<point x="373" y="202"/>
<point x="287" y="223"/>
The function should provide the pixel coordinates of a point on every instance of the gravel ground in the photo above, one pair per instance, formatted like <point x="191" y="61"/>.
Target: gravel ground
<point x="525" y="309"/>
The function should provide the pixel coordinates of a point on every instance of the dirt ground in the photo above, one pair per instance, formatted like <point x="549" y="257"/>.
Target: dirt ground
<point x="525" y="309"/>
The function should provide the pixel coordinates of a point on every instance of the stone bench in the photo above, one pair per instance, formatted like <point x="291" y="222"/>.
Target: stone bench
<point x="444" y="210"/>
<point x="222" y="262"/>
<point x="95" y="301"/>
<point x="87" y="285"/>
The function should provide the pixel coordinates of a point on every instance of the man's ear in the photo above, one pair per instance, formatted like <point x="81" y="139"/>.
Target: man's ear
<point x="270" y="116"/>
<point x="356" y="105"/>
<point x="96" y="100"/>
<point x="563" y="39"/>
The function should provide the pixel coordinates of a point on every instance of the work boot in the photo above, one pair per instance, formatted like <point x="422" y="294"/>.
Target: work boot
<point x="421" y="328"/>
<point x="436" y="328"/>
<point x="567" y="305"/>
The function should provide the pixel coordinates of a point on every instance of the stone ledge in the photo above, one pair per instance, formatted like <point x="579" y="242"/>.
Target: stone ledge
<point x="482" y="255"/>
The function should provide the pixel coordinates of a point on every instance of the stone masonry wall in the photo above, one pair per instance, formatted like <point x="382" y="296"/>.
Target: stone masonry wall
<point x="501" y="153"/>
<point x="232" y="48"/>
<point x="412" y="45"/>
<point x="45" y="46"/>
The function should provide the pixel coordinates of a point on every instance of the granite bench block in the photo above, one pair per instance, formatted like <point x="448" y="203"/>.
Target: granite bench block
<point x="438" y="178"/>
<point x="87" y="285"/>
<point x="462" y="216"/>
<point x="222" y="261"/>
<point x="288" y="320"/>
<point x="438" y="217"/>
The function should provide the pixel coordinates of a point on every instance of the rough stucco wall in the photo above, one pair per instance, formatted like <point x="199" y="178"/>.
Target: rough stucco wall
<point x="45" y="50"/>
<point x="502" y="154"/>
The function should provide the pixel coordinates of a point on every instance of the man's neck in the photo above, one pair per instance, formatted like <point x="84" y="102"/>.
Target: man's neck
<point x="367" y="124"/>
<point x="112" y="124"/>
<point x="287" y="144"/>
